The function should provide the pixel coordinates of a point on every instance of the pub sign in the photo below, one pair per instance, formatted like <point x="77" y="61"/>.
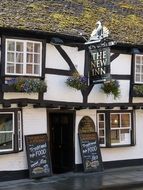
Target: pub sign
<point x="99" y="65"/>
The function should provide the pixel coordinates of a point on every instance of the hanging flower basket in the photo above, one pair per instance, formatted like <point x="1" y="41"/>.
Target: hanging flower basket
<point x="111" y="87"/>
<point x="27" y="85"/>
<point x="77" y="81"/>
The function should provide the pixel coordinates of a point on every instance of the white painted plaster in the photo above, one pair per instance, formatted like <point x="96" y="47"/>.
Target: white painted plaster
<point x="116" y="153"/>
<point x="98" y="96"/>
<point x="121" y="65"/>
<point x="58" y="90"/>
<point x="56" y="61"/>
<point x="34" y="122"/>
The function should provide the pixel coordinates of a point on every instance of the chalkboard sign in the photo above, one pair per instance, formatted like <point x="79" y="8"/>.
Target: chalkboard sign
<point x="90" y="152"/>
<point x="38" y="155"/>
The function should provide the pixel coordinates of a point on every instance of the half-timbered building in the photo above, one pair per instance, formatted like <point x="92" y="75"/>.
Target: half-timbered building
<point x="32" y="50"/>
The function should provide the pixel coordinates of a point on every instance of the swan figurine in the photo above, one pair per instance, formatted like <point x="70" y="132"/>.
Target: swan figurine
<point x="98" y="33"/>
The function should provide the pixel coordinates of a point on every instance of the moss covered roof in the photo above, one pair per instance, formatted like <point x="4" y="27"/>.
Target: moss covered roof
<point x="123" y="18"/>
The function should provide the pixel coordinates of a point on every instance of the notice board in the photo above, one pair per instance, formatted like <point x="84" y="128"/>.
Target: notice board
<point x="90" y="152"/>
<point x="38" y="155"/>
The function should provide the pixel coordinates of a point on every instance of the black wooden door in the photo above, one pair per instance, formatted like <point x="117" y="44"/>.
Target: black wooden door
<point x="61" y="141"/>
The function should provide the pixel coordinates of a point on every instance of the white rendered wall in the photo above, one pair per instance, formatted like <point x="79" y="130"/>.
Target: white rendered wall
<point x="98" y="96"/>
<point x="34" y="122"/>
<point x="121" y="65"/>
<point x="56" y="61"/>
<point x="116" y="153"/>
<point x="57" y="89"/>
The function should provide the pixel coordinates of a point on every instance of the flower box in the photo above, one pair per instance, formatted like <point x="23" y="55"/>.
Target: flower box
<point x="27" y="85"/>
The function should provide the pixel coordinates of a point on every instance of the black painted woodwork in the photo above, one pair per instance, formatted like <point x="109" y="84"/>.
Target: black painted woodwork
<point x="61" y="141"/>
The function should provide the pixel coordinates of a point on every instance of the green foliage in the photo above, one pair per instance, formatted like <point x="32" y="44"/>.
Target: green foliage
<point x="77" y="81"/>
<point x="111" y="87"/>
<point x="138" y="89"/>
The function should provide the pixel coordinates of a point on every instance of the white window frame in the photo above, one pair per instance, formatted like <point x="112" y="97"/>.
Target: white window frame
<point x="13" y="129"/>
<point x="19" y="128"/>
<point x="104" y="129"/>
<point x="140" y="72"/>
<point x="24" y="57"/>
<point x="121" y="128"/>
<point x="126" y="139"/>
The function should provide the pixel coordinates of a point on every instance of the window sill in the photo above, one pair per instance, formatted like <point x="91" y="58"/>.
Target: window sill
<point x="117" y="146"/>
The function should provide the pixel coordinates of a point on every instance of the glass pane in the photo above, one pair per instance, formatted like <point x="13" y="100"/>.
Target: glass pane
<point x="101" y="140"/>
<point x="10" y="57"/>
<point x="138" y="68"/>
<point x="142" y="69"/>
<point x="29" y="58"/>
<point x="29" y="68"/>
<point x="36" y="58"/>
<point x="101" y="125"/>
<point x="6" y="122"/>
<point x="101" y="132"/>
<point x="125" y="136"/>
<point x="5" y="141"/>
<point x="115" y="120"/>
<point x="125" y="120"/>
<point x="10" y="68"/>
<point x="37" y="48"/>
<point x="10" y="46"/>
<point x="19" y="46"/>
<point x="138" y="59"/>
<point x="137" y="77"/>
<point x="115" y="136"/>
<point x="19" y="68"/>
<point x="101" y="117"/>
<point x="19" y="57"/>
<point x="29" y="47"/>
<point x="141" y="78"/>
<point x="36" y="69"/>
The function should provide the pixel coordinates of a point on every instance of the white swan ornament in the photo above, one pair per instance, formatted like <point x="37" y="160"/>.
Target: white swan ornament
<point x="98" y="34"/>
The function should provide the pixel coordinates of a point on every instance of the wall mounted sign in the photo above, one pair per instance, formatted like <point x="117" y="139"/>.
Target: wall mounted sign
<point x="99" y="65"/>
<point x="86" y="125"/>
<point x="38" y="156"/>
<point x="90" y="151"/>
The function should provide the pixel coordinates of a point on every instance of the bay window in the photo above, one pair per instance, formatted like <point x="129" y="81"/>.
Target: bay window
<point x="115" y="128"/>
<point x="23" y="57"/>
<point x="10" y="131"/>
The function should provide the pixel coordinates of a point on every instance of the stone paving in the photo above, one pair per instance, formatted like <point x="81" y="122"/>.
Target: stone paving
<point x="123" y="178"/>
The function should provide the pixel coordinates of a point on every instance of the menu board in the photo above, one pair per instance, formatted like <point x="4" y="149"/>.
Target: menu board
<point x="90" y="152"/>
<point x="38" y="156"/>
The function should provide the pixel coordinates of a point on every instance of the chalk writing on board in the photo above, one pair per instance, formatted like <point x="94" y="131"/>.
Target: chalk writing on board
<point x="90" y="152"/>
<point x="38" y="155"/>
